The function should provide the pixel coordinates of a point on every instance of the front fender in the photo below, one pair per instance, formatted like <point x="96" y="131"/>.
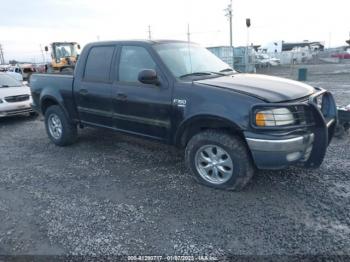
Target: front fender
<point x="195" y="123"/>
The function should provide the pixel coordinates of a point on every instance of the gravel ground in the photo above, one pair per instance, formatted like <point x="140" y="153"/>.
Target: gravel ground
<point x="114" y="194"/>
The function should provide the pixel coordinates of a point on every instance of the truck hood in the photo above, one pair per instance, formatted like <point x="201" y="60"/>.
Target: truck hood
<point x="268" y="88"/>
<point x="14" y="91"/>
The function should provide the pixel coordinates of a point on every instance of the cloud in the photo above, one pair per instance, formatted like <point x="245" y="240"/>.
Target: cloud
<point x="24" y="25"/>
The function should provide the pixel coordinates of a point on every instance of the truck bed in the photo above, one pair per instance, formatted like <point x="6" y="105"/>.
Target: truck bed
<point x="53" y="85"/>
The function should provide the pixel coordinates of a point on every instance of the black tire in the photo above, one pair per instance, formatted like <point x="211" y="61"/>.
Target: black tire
<point x="69" y="130"/>
<point x="33" y="114"/>
<point x="243" y="168"/>
<point x="339" y="131"/>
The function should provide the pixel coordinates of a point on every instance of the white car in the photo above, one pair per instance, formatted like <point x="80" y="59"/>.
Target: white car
<point x="15" y="75"/>
<point x="15" y="98"/>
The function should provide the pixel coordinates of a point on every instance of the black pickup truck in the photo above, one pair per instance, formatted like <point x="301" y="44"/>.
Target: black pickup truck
<point x="177" y="92"/>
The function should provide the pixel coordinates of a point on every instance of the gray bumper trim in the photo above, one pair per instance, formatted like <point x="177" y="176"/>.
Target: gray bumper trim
<point x="285" y="145"/>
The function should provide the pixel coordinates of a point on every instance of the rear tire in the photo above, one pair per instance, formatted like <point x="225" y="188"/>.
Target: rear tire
<point x="219" y="160"/>
<point x="59" y="127"/>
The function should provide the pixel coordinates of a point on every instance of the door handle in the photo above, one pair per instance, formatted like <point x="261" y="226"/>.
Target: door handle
<point x="83" y="92"/>
<point x="121" y="96"/>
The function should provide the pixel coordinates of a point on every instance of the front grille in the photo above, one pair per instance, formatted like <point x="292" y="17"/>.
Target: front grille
<point x="302" y="115"/>
<point x="13" y="99"/>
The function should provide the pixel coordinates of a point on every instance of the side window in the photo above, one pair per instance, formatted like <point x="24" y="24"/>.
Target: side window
<point x="98" y="64"/>
<point x="134" y="59"/>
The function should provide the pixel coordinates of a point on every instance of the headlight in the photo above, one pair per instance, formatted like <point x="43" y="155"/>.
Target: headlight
<point x="274" y="117"/>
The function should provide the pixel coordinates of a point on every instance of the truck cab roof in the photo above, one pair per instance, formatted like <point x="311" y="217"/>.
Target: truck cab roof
<point x="138" y="41"/>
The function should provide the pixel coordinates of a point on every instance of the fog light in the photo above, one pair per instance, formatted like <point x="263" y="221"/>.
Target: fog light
<point x="307" y="153"/>
<point x="293" y="156"/>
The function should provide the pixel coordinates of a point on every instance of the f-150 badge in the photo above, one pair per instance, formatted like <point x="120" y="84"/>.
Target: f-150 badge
<point x="179" y="102"/>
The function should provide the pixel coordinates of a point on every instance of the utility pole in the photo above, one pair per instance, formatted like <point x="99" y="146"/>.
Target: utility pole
<point x="229" y="14"/>
<point x="188" y="33"/>
<point x="247" y="21"/>
<point x="149" y="32"/>
<point x="42" y="53"/>
<point x="2" y="59"/>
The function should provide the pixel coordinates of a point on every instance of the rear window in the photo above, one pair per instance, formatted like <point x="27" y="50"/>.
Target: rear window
<point x="98" y="64"/>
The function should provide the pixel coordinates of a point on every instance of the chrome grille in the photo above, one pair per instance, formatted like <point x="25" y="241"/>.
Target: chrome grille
<point x="13" y="99"/>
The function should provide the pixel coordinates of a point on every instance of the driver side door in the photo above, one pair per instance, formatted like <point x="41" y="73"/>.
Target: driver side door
<point x="139" y="108"/>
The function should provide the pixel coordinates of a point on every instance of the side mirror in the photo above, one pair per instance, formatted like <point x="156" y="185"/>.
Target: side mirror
<point x="148" y="76"/>
<point x="79" y="47"/>
<point x="46" y="49"/>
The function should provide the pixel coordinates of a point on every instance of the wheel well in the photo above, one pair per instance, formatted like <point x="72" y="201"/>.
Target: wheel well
<point x="196" y="126"/>
<point x="47" y="103"/>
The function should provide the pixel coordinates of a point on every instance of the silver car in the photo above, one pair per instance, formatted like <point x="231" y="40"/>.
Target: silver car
<point x="15" y="98"/>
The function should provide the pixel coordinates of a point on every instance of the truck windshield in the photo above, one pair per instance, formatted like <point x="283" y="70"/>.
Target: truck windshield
<point x="188" y="59"/>
<point x="8" y="81"/>
<point x="66" y="50"/>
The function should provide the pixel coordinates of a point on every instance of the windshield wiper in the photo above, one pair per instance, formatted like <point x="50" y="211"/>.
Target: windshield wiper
<point x="203" y="74"/>
<point x="226" y="70"/>
<point x="196" y="74"/>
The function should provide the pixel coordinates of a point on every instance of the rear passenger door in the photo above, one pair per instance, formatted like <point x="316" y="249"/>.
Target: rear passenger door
<point x="141" y="108"/>
<point x="93" y="92"/>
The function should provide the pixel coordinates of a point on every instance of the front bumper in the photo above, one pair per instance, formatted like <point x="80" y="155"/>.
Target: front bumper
<point x="305" y="144"/>
<point x="16" y="108"/>
<point x="280" y="153"/>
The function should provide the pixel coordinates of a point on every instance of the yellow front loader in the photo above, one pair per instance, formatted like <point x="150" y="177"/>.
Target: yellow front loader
<point x="64" y="56"/>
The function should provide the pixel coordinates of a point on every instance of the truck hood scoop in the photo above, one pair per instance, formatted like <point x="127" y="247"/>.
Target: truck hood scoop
<point x="268" y="88"/>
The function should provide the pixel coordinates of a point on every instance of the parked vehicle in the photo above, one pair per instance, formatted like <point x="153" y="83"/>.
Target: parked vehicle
<point x="264" y="60"/>
<point x="26" y="70"/>
<point x="344" y="55"/>
<point x="15" y="75"/>
<point x="15" y="98"/>
<point x="343" y="121"/>
<point x="180" y="93"/>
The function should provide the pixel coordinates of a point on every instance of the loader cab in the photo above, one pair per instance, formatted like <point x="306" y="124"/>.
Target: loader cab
<point x="63" y="54"/>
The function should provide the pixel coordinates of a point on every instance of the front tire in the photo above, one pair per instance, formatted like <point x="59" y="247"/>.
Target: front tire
<point x="58" y="127"/>
<point x="219" y="160"/>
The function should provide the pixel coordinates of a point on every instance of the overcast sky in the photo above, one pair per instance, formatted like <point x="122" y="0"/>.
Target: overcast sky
<point x="25" y="24"/>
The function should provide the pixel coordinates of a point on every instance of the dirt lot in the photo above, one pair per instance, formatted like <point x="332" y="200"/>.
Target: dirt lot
<point x="114" y="194"/>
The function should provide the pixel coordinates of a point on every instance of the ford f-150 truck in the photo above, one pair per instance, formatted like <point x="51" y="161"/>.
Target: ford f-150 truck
<point x="229" y="124"/>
